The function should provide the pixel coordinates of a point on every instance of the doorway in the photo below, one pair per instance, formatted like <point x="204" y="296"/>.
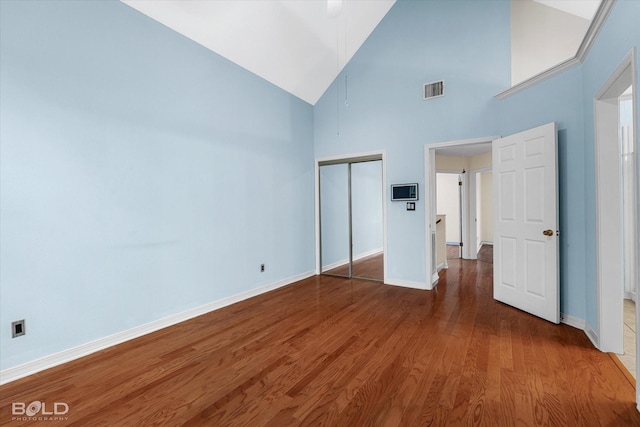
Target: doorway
<point x="616" y="168"/>
<point x="481" y="205"/>
<point x="351" y="217"/>
<point x="464" y="159"/>
<point x="449" y="210"/>
<point x="525" y="219"/>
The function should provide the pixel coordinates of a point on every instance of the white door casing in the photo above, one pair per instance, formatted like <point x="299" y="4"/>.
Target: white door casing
<point x="526" y="207"/>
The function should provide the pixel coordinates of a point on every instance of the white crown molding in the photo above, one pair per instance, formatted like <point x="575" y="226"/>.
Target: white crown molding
<point x="587" y="42"/>
<point x="49" y="361"/>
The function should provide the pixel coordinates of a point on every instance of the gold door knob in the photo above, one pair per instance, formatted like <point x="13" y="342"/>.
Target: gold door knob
<point x="548" y="232"/>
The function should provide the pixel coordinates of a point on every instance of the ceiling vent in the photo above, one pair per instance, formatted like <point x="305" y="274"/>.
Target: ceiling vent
<point x="434" y="89"/>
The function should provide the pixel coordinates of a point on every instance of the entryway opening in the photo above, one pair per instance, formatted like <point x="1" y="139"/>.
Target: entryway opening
<point x="617" y="250"/>
<point x="459" y="187"/>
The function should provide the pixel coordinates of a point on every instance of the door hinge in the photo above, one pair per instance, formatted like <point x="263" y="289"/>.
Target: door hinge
<point x="461" y="244"/>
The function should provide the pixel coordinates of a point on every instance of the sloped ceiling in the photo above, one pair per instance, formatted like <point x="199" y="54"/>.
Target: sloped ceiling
<point x="583" y="8"/>
<point x="298" y="45"/>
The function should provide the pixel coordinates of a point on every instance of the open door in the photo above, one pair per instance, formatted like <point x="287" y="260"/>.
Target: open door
<point x="526" y="222"/>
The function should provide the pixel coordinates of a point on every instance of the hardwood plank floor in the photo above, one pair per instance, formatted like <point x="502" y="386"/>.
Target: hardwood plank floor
<point x="337" y="352"/>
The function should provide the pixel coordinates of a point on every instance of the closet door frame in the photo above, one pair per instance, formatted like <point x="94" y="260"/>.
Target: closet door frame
<point x="349" y="160"/>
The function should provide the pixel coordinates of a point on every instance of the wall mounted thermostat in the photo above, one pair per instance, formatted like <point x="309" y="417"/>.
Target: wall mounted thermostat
<point x="404" y="192"/>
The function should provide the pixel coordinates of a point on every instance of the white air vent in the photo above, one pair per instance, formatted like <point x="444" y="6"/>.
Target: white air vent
<point x="434" y="89"/>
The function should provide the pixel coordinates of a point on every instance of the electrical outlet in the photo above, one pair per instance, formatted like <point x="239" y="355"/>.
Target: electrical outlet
<point x="261" y="268"/>
<point x="18" y="328"/>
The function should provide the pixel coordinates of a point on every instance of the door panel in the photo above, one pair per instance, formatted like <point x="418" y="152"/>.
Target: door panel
<point x="367" y="228"/>
<point x="334" y="219"/>
<point x="526" y="199"/>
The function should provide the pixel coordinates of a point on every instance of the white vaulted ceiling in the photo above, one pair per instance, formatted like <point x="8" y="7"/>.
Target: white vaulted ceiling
<point x="298" y="45"/>
<point x="583" y="8"/>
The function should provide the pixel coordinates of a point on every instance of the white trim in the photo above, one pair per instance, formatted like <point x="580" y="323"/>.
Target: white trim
<point x="482" y="243"/>
<point x="463" y="208"/>
<point x="317" y="215"/>
<point x="608" y="180"/>
<point x="55" y="359"/>
<point x="346" y="159"/>
<point x="575" y="322"/>
<point x="594" y="28"/>
<point x="473" y="211"/>
<point x="354" y="157"/>
<point x="407" y="284"/>
<point x="355" y="258"/>
<point x="442" y="266"/>
<point x="375" y="251"/>
<point x="469" y="141"/>
<point x="545" y="75"/>
<point x="592" y="335"/>
<point x="587" y="42"/>
<point x="430" y="194"/>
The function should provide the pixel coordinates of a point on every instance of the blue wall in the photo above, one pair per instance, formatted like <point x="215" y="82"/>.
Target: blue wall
<point x="620" y="34"/>
<point x="466" y="43"/>
<point x="141" y="175"/>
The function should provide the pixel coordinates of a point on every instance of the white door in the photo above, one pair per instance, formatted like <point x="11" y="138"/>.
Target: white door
<point x="526" y="222"/>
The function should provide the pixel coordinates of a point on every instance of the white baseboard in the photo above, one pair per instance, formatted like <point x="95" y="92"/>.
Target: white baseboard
<point x="592" y="335"/>
<point x="368" y="254"/>
<point x="435" y="279"/>
<point x="572" y="321"/>
<point x="355" y="258"/>
<point x="406" y="284"/>
<point x="334" y="265"/>
<point x="46" y="362"/>
<point x="486" y="243"/>
<point x="442" y="266"/>
<point x="582" y="325"/>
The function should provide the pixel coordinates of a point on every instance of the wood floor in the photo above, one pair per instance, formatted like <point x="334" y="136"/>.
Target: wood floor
<point x="485" y="254"/>
<point x="337" y="352"/>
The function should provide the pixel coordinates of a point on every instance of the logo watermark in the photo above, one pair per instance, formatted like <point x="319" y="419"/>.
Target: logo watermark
<point x="39" y="411"/>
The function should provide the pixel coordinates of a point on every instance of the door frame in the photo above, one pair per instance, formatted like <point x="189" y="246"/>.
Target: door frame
<point x="473" y="210"/>
<point x="345" y="159"/>
<point x="430" y="191"/>
<point x="609" y="208"/>
<point x="609" y="204"/>
<point x="462" y="175"/>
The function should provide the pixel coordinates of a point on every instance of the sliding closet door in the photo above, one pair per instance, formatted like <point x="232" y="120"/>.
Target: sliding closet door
<point x="334" y="220"/>
<point x="366" y="220"/>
